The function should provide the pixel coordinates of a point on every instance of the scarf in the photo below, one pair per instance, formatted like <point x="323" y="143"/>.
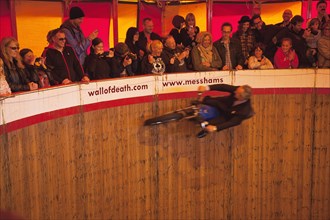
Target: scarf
<point x="206" y="53"/>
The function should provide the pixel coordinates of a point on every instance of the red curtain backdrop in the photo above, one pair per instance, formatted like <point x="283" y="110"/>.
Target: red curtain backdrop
<point x="5" y="19"/>
<point x="153" y="12"/>
<point x="227" y="13"/>
<point x="97" y="16"/>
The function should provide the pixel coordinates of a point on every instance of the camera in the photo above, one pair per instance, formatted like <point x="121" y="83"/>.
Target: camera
<point x="105" y="53"/>
<point x="131" y="56"/>
<point x="314" y="32"/>
<point x="38" y="60"/>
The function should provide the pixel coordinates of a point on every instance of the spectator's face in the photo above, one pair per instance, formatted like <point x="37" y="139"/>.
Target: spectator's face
<point x="78" y="21"/>
<point x="157" y="50"/>
<point x="148" y="27"/>
<point x="321" y="9"/>
<point x="326" y="31"/>
<point x="98" y="49"/>
<point x="258" y="53"/>
<point x="12" y="49"/>
<point x="315" y="26"/>
<point x="245" y="26"/>
<point x="136" y="37"/>
<point x="226" y="31"/>
<point x="191" y="22"/>
<point x="296" y="28"/>
<point x="286" y="46"/>
<point x="59" y="40"/>
<point x="29" y="58"/>
<point x="206" y="41"/>
<point x="170" y="43"/>
<point x="287" y="15"/>
<point x="258" y="23"/>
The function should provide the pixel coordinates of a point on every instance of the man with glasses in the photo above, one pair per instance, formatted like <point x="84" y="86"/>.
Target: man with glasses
<point x="62" y="60"/>
<point x="229" y="49"/>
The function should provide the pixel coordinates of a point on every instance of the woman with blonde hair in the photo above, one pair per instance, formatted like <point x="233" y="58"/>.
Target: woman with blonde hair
<point x="153" y="62"/>
<point x="13" y="67"/>
<point x="204" y="55"/>
<point x="189" y="33"/>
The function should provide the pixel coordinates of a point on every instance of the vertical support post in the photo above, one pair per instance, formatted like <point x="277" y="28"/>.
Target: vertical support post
<point x="209" y="8"/>
<point x="115" y="20"/>
<point x="309" y="9"/>
<point x="138" y="14"/>
<point x="163" y="17"/>
<point x="13" y="17"/>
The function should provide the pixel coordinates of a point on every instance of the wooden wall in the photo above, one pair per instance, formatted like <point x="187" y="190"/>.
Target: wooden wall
<point x="105" y="164"/>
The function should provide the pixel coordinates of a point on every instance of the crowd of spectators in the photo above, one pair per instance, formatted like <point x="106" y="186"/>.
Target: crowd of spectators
<point x="254" y="45"/>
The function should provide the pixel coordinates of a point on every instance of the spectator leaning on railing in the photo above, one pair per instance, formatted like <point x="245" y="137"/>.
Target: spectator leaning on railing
<point x="4" y="87"/>
<point x="324" y="47"/>
<point x="62" y="60"/>
<point x="13" y="67"/>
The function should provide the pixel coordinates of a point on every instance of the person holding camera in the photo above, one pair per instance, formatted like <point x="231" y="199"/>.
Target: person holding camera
<point x="175" y="58"/>
<point x="124" y="63"/>
<point x="97" y="63"/>
<point x="13" y="67"/>
<point x="35" y="69"/>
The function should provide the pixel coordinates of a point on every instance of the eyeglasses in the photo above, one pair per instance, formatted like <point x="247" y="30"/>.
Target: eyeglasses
<point x="14" y="48"/>
<point x="62" y="39"/>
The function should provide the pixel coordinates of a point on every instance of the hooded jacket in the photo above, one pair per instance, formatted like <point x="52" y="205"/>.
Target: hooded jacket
<point x="63" y="65"/>
<point x="76" y="39"/>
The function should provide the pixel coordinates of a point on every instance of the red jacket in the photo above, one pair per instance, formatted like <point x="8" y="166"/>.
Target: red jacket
<point x="281" y="60"/>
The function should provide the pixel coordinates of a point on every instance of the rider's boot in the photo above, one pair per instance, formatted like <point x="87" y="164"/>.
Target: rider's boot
<point x="202" y="134"/>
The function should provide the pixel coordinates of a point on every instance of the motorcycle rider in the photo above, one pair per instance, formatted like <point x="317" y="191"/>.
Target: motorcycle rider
<point x="233" y="108"/>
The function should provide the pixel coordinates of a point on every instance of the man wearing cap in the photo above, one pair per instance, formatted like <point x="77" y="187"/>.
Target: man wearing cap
<point x="74" y="34"/>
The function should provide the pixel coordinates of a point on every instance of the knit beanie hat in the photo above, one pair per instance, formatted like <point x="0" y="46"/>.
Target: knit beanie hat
<point x="76" y="12"/>
<point x="24" y="51"/>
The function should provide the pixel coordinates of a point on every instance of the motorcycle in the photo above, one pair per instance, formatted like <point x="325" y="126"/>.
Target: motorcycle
<point x="197" y="112"/>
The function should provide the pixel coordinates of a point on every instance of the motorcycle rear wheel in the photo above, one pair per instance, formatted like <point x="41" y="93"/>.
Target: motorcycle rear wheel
<point x="175" y="116"/>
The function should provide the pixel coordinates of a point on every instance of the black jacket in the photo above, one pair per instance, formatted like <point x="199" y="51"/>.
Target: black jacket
<point x="63" y="65"/>
<point x="33" y="72"/>
<point x="168" y="54"/>
<point x="236" y="55"/>
<point x="142" y="43"/>
<point x="117" y="67"/>
<point x="16" y="78"/>
<point x="97" y="66"/>
<point x="186" y="40"/>
<point x="158" y="67"/>
<point x="176" y="35"/>
<point x="233" y="115"/>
